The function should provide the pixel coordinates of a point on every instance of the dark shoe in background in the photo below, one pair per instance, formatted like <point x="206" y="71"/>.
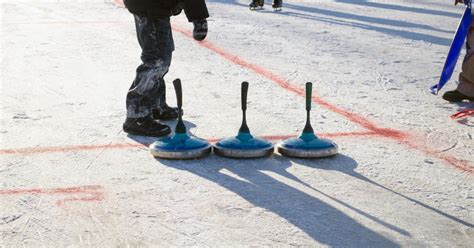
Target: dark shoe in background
<point x="277" y="4"/>
<point x="146" y="126"/>
<point x="256" y="3"/>
<point x="456" y="96"/>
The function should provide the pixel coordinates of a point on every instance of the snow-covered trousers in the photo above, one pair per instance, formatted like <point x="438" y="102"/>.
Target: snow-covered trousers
<point x="148" y="91"/>
<point x="466" y="77"/>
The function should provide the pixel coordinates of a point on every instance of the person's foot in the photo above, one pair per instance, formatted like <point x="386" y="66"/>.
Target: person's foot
<point x="145" y="126"/>
<point x="456" y="96"/>
<point x="256" y="3"/>
<point x="166" y="113"/>
<point x="277" y="4"/>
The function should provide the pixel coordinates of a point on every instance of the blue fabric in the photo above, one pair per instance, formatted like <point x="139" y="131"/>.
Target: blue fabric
<point x="455" y="50"/>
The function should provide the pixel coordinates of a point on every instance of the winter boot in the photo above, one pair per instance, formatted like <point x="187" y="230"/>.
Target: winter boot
<point x="456" y="96"/>
<point x="277" y="4"/>
<point x="145" y="126"/>
<point x="256" y="3"/>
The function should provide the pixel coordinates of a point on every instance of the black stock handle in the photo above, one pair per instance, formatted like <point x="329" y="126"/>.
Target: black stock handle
<point x="245" y="90"/>
<point x="309" y="91"/>
<point x="179" y="92"/>
<point x="180" y="127"/>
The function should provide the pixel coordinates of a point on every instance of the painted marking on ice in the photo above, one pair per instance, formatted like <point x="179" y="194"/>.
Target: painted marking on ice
<point x="52" y="149"/>
<point x="119" y="3"/>
<point x="64" y="149"/>
<point x="87" y="193"/>
<point x="64" y="22"/>
<point x="412" y="141"/>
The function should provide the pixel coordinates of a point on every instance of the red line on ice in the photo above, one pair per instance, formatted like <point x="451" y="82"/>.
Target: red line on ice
<point x="33" y="150"/>
<point x="87" y="193"/>
<point x="119" y="3"/>
<point x="62" y="149"/>
<point x="64" y="22"/>
<point x="410" y="140"/>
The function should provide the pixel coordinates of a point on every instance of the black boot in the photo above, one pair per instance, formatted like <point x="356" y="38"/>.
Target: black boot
<point x="145" y="126"/>
<point x="256" y="3"/>
<point x="456" y="96"/>
<point x="277" y="4"/>
<point x="166" y="113"/>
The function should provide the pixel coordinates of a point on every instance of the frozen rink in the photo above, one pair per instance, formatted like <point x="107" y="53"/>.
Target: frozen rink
<point x="70" y="176"/>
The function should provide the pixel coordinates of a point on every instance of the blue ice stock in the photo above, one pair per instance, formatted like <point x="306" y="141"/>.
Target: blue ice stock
<point x="455" y="50"/>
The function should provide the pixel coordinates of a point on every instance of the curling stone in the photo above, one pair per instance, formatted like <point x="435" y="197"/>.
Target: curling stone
<point x="307" y="145"/>
<point x="180" y="145"/>
<point x="244" y="145"/>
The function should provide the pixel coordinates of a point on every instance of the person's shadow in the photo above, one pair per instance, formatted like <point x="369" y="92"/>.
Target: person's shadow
<point x="319" y="220"/>
<point x="391" y="6"/>
<point x="393" y="27"/>
<point x="349" y="169"/>
<point x="316" y="218"/>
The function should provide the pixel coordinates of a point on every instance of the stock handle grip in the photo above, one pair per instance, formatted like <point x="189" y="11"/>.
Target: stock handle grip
<point x="244" y="92"/>
<point x="309" y="92"/>
<point x="179" y="92"/>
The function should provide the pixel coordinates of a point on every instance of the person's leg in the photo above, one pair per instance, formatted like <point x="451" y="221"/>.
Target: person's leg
<point x="160" y="108"/>
<point x="147" y="90"/>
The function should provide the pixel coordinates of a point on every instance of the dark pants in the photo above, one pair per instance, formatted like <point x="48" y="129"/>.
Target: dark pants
<point x="148" y="91"/>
